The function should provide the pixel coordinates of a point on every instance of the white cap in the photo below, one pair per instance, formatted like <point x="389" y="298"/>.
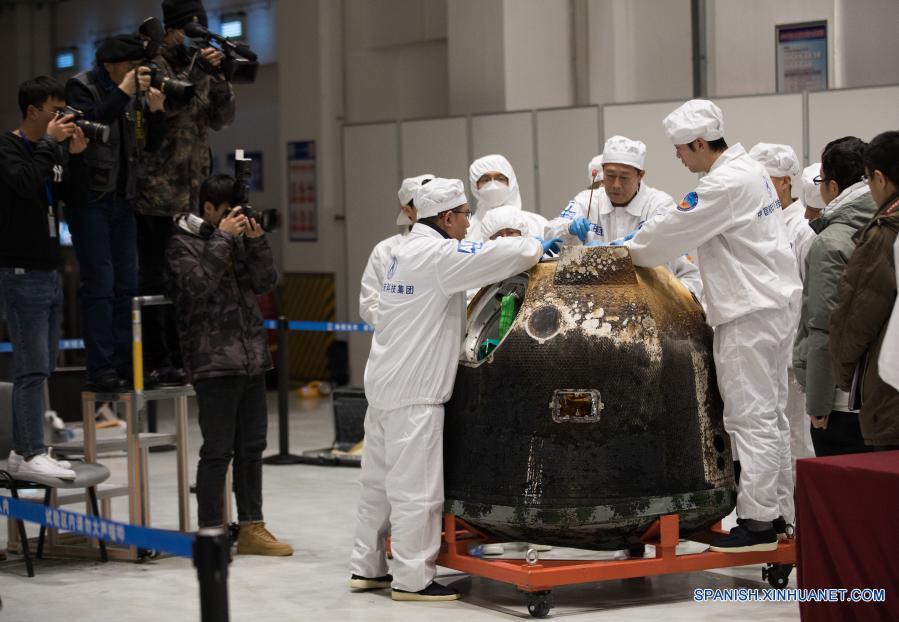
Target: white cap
<point x="505" y="217"/>
<point x="811" y="195"/>
<point x="697" y="118"/>
<point x="623" y="150"/>
<point x="778" y="160"/>
<point x="485" y="164"/>
<point x="439" y="195"/>
<point x="407" y="192"/>
<point x="595" y="165"/>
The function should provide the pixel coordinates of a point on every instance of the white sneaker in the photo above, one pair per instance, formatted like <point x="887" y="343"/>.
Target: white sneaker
<point x="63" y="463"/>
<point x="13" y="462"/>
<point x="42" y="464"/>
<point x="496" y="548"/>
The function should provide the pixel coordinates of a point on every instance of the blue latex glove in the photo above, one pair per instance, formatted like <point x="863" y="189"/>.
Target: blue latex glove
<point x="551" y="247"/>
<point x="579" y="227"/>
<point x="630" y="236"/>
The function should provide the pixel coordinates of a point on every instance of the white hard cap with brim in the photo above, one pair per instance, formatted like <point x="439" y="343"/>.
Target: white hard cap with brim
<point x="439" y="195"/>
<point x="697" y="118"/>
<point x="778" y="160"/>
<point x="406" y="193"/>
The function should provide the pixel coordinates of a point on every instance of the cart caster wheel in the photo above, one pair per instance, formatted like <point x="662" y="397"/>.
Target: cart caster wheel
<point x="778" y="575"/>
<point x="538" y="604"/>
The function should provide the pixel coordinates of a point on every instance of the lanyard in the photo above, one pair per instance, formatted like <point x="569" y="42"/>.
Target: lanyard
<point x="48" y="186"/>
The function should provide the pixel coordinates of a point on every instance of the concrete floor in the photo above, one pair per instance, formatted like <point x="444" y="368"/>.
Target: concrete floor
<point x="313" y="508"/>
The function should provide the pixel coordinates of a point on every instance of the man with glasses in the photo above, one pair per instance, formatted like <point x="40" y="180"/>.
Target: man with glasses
<point x="117" y="93"/>
<point x="848" y="207"/>
<point x="409" y="376"/>
<point x="861" y="342"/>
<point x="621" y="206"/>
<point x="40" y="165"/>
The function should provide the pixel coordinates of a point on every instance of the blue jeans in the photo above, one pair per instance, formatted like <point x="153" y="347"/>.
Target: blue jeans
<point x="105" y="237"/>
<point x="33" y="304"/>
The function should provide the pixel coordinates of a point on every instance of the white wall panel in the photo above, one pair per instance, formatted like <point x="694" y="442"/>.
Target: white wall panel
<point x="567" y="139"/>
<point x="511" y="135"/>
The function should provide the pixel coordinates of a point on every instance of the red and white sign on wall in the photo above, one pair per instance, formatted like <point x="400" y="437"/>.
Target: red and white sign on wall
<point x="302" y="199"/>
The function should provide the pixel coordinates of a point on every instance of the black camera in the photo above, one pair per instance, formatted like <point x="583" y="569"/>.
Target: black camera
<point x="152" y="32"/>
<point x="178" y="90"/>
<point x="98" y="132"/>
<point x="268" y="219"/>
<point x="239" y="64"/>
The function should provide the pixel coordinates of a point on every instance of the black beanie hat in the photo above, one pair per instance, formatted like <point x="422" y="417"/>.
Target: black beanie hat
<point x="119" y="48"/>
<point x="176" y="13"/>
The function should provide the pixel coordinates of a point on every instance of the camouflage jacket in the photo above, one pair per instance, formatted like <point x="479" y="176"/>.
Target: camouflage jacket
<point x="215" y="278"/>
<point x="176" y="169"/>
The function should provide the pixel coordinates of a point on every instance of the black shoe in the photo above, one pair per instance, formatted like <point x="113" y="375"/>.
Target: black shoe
<point x="435" y="591"/>
<point x="170" y="377"/>
<point x="783" y="529"/>
<point x="743" y="540"/>
<point x="358" y="582"/>
<point x="107" y="383"/>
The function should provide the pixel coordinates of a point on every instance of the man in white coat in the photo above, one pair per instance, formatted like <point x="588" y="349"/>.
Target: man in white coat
<point x="493" y="184"/>
<point x="749" y="276"/>
<point x="782" y="165"/>
<point x="379" y="259"/>
<point x="621" y="206"/>
<point x="409" y="376"/>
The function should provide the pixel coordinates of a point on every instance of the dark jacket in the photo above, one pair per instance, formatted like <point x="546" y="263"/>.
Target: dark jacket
<point x="858" y="324"/>
<point x="114" y="166"/>
<point x="827" y="258"/>
<point x="176" y="170"/>
<point x="31" y="175"/>
<point x="215" y="279"/>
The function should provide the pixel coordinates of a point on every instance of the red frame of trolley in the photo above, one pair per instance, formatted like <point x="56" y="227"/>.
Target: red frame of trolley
<point x="547" y="574"/>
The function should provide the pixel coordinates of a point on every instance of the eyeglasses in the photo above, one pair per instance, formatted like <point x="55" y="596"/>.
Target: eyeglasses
<point x="820" y="179"/>
<point x="55" y="111"/>
<point x="466" y="214"/>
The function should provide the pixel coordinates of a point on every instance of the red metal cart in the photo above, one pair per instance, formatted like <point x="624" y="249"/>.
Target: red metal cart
<point x="536" y="578"/>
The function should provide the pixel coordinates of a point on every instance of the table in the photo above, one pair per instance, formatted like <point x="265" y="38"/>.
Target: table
<point x="847" y="532"/>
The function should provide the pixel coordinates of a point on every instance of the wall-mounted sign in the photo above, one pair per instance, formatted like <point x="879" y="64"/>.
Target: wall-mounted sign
<point x="302" y="203"/>
<point x="801" y="57"/>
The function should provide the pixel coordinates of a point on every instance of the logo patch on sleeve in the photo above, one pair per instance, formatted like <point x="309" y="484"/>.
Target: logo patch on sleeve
<point x="689" y="202"/>
<point x="392" y="269"/>
<point x="468" y="247"/>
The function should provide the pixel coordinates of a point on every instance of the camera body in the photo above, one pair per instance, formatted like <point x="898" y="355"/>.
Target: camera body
<point x="268" y="219"/>
<point x="180" y="91"/>
<point x="94" y="131"/>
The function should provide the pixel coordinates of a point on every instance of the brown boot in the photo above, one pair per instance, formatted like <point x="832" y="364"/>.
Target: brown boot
<point x="255" y="539"/>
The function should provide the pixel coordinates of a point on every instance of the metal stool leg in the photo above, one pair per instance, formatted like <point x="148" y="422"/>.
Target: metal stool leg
<point x="29" y="566"/>
<point x="95" y="508"/>
<point x="43" y="532"/>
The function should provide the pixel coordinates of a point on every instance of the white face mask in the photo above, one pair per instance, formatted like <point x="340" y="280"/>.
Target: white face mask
<point x="493" y="194"/>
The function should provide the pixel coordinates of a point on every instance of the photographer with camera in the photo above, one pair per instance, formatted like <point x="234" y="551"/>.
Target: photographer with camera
<point x="219" y="262"/>
<point x="117" y="94"/>
<point x="40" y="164"/>
<point x="176" y="170"/>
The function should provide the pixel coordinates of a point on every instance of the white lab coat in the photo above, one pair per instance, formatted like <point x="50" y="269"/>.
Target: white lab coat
<point x="888" y="361"/>
<point x="750" y="276"/>
<point x="373" y="276"/>
<point x="410" y="374"/>
<point x="416" y="345"/>
<point x="737" y="228"/>
<point x="608" y="223"/>
<point x="801" y="236"/>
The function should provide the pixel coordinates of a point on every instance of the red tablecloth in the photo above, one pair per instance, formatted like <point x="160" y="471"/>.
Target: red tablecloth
<point x="847" y="532"/>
